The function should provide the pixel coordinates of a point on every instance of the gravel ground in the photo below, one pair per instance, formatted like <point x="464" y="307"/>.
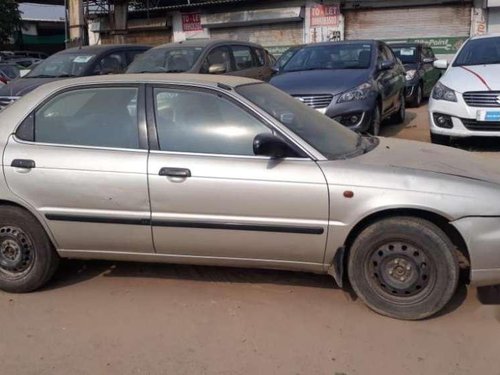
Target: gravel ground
<point x="123" y="318"/>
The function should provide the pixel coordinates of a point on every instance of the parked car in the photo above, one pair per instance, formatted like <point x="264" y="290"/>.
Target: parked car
<point x="73" y="62"/>
<point x="421" y="75"/>
<point x="8" y="72"/>
<point x="254" y="179"/>
<point x="207" y="57"/>
<point x="357" y="83"/>
<point x="466" y="100"/>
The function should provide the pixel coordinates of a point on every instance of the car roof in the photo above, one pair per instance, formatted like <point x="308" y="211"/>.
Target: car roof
<point x="156" y="78"/>
<point x="361" y="41"/>
<point x="406" y="44"/>
<point x="206" y="43"/>
<point x="486" y="36"/>
<point x="98" y="49"/>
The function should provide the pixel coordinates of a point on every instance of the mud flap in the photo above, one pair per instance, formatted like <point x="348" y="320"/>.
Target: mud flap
<point x="336" y="269"/>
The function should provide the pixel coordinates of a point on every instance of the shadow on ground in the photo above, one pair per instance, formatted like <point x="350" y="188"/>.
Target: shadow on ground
<point x="389" y="130"/>
<point x="74" y="271"/>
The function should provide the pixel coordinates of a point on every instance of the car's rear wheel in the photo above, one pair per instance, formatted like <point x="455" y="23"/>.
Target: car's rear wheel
<point x="439" y="139"/>
<point x="27" y="257"/>
<point x="403" y="267"/>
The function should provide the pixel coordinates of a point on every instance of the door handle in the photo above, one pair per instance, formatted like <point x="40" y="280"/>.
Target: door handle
<point x="23" y="163"/>
<point x="175" y="172"/>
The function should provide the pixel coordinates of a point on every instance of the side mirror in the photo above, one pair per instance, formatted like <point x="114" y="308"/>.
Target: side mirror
<point x="386" y="65"/>
<point x="217" y="69"/>
<point x="266" y="144"/>
<point x="441" y="64"/>
<point x="428" y="60"/>
<point x="275" y="69"/>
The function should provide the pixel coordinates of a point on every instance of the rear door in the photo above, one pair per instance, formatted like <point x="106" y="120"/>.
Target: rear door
<point x="265" y="71"/>
<point x="212" y="198"/>
<point x="245" y="62"/>
<point x="80" y="159"/>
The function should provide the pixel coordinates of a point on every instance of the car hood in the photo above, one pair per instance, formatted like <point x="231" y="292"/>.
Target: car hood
<point x="472" y="78"/>
<point x="22" y="86"/>
<point x="320" y="81"/>
<point x="432" y="158"/>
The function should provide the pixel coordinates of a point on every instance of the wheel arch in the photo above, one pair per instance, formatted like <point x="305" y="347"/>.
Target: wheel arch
<point x="440" y="221"/>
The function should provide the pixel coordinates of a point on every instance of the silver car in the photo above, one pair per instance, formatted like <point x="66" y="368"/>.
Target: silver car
<point x="229" y="171"/>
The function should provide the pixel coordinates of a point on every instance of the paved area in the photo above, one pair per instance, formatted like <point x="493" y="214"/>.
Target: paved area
<point x="123" y="318"/>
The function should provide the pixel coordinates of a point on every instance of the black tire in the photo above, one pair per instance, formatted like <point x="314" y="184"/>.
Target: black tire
<point x="376" y="120"/>
<point x="417" y="98"/>
<point x="439" y="139"/>
<point x="27" y="258"/>
<point x="404" y="268"/>
<point x="400" y="116"/>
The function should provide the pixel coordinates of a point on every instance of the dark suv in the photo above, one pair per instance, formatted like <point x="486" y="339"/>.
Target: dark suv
<point x="421" y="75"/>
<point x="73" y="62"/>
<point x="207" y="57"/>
<point x="357" y="83"/>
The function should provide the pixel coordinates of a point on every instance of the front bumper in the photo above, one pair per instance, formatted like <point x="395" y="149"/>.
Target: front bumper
<point x="362" y="108"/>
<point x="463" y="118"/>
<point x="482" y="237"/>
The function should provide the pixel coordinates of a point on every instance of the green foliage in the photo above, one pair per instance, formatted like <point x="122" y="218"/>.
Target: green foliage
<point x="10" y="20"/>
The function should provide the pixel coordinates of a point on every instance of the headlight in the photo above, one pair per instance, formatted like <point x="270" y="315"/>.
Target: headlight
<point x="359" y="93"/>
<point x="441" y="92"/>
<point x="410" y="74"/>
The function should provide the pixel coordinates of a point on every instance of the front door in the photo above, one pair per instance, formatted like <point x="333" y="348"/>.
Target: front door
<point x="80" y="161"/>
<point x="211" y="197"/>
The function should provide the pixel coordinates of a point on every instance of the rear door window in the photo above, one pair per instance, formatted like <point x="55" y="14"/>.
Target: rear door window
<point x="217" y="56"/>
<point x="243" y="57"/>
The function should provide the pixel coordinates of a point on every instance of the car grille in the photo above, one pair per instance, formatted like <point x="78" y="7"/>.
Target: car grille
<point x="485" y="126"/>
<point x="315" y="101"/>
<point x="482" y="99"/>
<point x="6" y="100"/>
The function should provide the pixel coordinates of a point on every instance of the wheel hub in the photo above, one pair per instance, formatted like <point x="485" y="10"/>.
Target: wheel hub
<point x="399" y="269"/>
<point x="16" y="250"/>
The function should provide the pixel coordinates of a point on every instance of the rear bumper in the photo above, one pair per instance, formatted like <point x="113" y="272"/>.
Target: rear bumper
<point x="482" y="237"/>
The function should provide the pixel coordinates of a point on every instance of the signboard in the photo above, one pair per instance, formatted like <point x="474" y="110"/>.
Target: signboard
<point x="440" y="45"/>
<point x="191" y="22"/>
<point x="323" y="23"/>
<point x="325" y="15"/>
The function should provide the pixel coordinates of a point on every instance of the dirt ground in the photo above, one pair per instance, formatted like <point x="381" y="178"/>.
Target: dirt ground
<point x="123" y="318"/>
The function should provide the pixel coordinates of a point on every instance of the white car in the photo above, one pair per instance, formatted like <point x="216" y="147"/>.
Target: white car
<point x="466" y="100"/>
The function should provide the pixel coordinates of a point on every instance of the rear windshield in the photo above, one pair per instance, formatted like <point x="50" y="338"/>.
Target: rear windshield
<point x="479" y="52"/>
<point x="166" y="60"/>
<point x="333" y="56"/>
<point x="407" y="55"/>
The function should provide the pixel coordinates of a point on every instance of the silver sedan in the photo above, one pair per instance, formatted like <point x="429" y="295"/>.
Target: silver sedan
<point x="229" y="171"/>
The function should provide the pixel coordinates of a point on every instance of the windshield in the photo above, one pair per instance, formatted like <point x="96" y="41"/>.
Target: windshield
<point x="166" y="60"/>
<point x="10" y="71"/>
<point x="334" y="56"/>
<point x="62" y="65"/>
<point x="479" y="52"/>
<point x="407" y="55"/>
<point x="330" y="138"/>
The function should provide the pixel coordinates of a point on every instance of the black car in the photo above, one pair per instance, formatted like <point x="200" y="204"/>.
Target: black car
<point x="9" y="71"/>
<point x="421" y="75"/>
<point x="285" y="57"/>
<point x="73" y="62"/>
<point x="207" y="57"/>
<point x="357" y="83"/>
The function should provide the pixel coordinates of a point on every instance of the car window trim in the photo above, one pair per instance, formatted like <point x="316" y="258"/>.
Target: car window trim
<point x="141" y="116"/>
<point x="154" y="144"/>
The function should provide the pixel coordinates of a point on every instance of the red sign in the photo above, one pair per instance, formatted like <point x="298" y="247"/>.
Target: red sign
<point x="191" y="22"/>
<point x="325" y="15"/>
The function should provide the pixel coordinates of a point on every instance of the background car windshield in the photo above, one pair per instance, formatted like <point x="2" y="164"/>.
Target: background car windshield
<point x="479" y="52"/>
<point x="336" y="56"/>
<point x="10" y="71"/>
<point x="325" y="135"/>
<point x="407" y="55"/>
<point x="63" y="65"/>
<point x="166" y="60"/>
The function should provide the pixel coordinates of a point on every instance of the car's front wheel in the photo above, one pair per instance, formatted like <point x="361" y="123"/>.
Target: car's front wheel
<point x="27" y="257"/>
<point x="403" y="267"/>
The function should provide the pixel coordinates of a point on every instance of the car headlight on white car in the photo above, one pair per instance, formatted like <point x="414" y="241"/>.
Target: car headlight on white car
<point x="410" y="74"/>
<point x="359" y="93"/>
<point x="441" y="92"/>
